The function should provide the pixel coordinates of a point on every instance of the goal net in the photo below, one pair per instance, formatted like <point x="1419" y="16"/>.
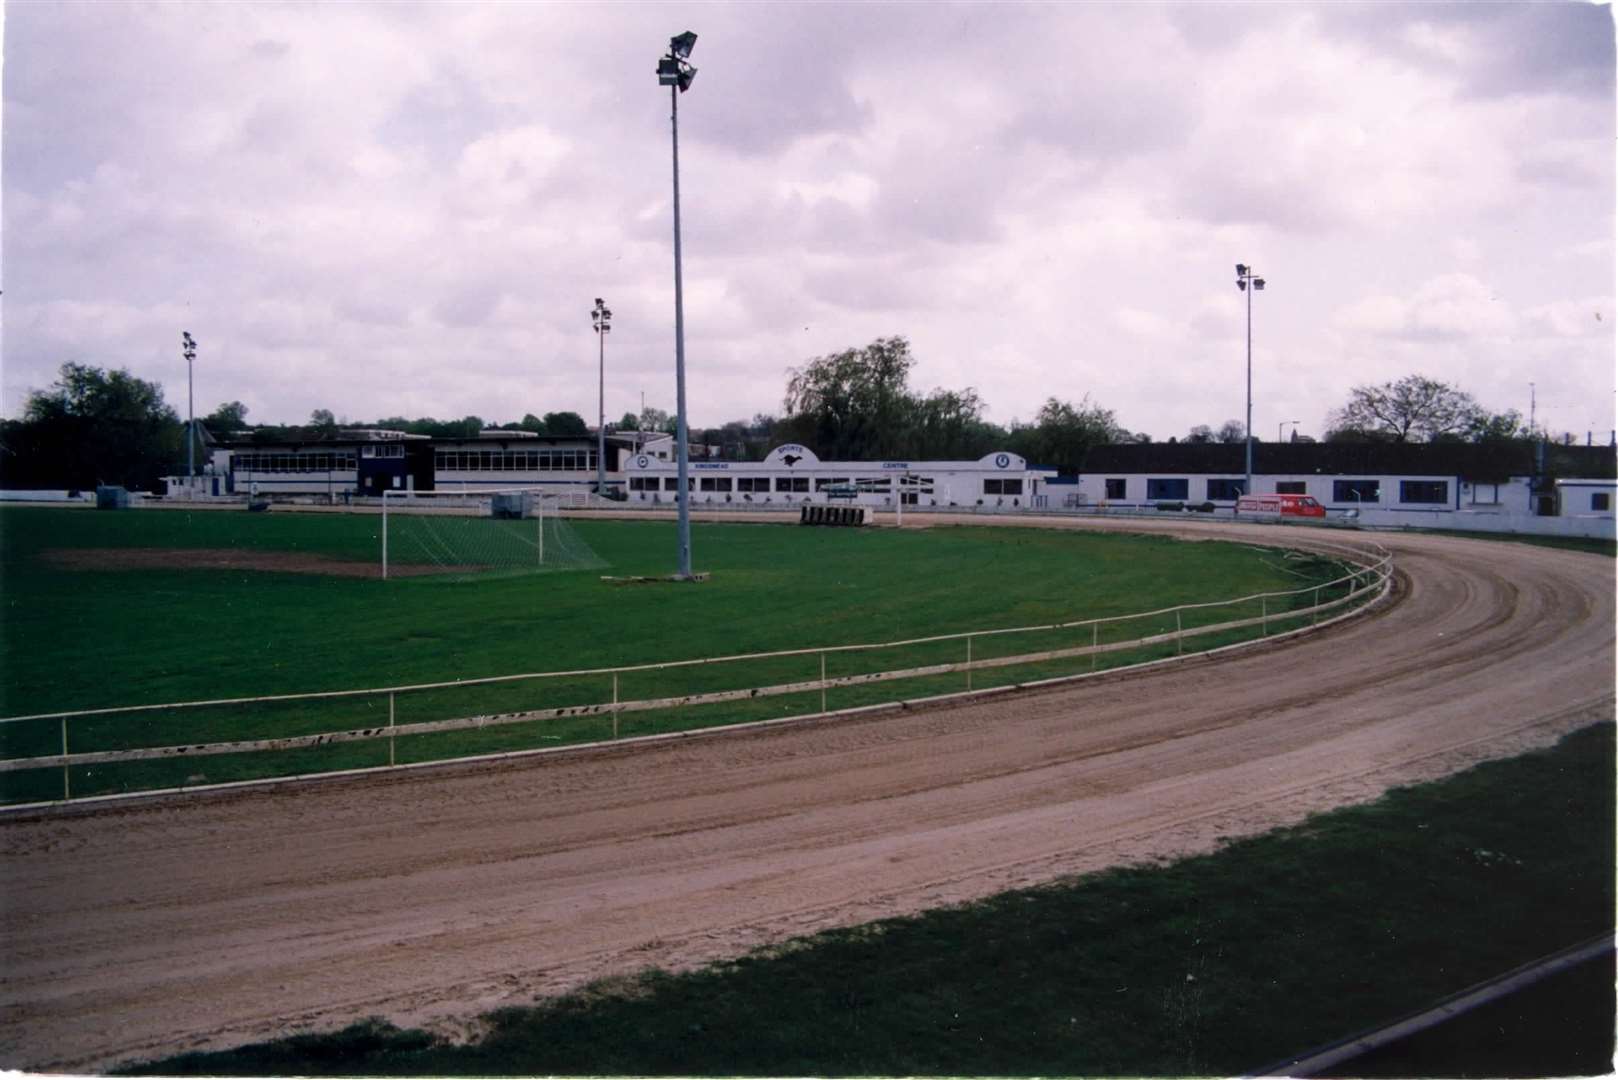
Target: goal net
<point x="464" y="534"/>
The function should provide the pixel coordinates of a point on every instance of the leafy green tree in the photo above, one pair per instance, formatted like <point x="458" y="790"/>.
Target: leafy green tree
<point x="565" y="423"/>
<point x="1063" y="433"/>
<point x="630" y="422"/>
<point x="229" y="417"/>
<point x="94" y="427"/>
<point x="854" y="403"/>
<point x="1497" y="427"/>
<point x="949" y="425"/>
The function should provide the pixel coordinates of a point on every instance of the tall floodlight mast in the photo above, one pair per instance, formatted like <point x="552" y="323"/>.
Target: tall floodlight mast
<point x="188" y="347"/>
<point x="675" y="73"/>
<point x="601" y="319"/>
<point x="1244" y="278"/>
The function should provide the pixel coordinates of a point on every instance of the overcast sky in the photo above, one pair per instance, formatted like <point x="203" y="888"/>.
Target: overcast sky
<point x="396" y="209"/>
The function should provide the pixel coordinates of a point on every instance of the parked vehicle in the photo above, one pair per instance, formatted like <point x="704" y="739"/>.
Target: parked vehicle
<point x="1282" y="505"/>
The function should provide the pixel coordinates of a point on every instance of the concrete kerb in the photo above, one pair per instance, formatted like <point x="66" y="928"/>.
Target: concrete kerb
<point x="1357" y="1045"/>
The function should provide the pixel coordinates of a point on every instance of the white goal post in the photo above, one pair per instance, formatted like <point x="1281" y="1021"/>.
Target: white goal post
<point x="466" y="533"/>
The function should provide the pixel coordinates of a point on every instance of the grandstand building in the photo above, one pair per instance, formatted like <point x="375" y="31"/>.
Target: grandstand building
<point x="794" y="474"/>
<point x="369" y="462"/>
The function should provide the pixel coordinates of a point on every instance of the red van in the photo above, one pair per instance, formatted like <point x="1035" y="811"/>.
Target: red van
<point x="1284" y="505"/>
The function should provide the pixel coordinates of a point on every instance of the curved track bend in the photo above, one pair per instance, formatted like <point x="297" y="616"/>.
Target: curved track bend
<point x="157" y="926"/>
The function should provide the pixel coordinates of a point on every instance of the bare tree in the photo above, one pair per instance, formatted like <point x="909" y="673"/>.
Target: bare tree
<point x="1414" y="408"/>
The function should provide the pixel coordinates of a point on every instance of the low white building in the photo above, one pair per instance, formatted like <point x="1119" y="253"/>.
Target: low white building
<point x="793" y="474"/>
<point x="1386" y="492"/>
<point x="1586" y="498"/>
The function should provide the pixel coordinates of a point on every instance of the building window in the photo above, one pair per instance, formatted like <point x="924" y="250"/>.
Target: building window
<point x="1002" y="486"/>
<point x="1230" y="490"/>
<point x="1291" y="487"/>
<point x="760" y="484"/>
<point x="1115" y="487"/>
<point x="1600" y="500"/>
<point x="1163" y="487"/>
<point x="1424" y="491"/>
<point x="1356" y="491"/>
<point x="715" y="483"/>
<point x="791" y="483"/>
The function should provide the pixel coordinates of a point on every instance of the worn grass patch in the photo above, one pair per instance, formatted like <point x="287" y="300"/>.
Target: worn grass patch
<point x="1212" y="965"/>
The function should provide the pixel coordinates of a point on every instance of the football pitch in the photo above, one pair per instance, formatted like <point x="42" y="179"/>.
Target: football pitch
<point x="109" y="609"/>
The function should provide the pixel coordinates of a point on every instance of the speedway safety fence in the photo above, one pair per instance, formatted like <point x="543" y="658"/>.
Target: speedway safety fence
<point x="151" y="734"/>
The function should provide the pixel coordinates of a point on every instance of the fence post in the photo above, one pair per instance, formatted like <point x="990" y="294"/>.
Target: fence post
<point x="1095" y="645"/>
<point x="1179" y="635"/>
<point x="1314" y="614"/>
<point x="540" y="517"/>
<point x="67" y="790"/>
<point x="384" y="536"/>
<point x="1264" y="617"/>
<point x="822" y="682"/>
<point x="969" y="661"/>
<point x="615" y="705"/>
<point x="391" y="736"/>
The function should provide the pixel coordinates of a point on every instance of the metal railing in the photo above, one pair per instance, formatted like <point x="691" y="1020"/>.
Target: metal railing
<point x="1369" y="571"/>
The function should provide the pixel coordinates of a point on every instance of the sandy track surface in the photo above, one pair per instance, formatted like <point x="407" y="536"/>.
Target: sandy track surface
<point x="202" y="921"/>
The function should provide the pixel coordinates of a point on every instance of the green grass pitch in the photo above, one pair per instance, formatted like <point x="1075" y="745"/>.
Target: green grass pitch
<point x="77" y="638"/>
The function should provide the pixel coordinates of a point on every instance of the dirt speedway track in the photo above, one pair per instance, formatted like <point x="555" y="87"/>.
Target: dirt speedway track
<point x="163" y="925"/>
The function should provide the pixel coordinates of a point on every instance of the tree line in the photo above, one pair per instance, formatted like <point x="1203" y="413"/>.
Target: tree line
<point x="98" y="427"/>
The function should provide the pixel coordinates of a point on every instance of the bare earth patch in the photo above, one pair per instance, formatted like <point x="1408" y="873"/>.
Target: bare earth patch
<point x="285" y="562"/>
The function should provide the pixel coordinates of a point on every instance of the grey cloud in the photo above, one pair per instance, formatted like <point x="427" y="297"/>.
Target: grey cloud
<point x="1522" y="48"/>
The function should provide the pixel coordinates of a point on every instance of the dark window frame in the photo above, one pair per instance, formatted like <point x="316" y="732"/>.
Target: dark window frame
<point x="1168" y="488"/>
<point x="1424" y="492"/>
<point x="1369" y="491"/>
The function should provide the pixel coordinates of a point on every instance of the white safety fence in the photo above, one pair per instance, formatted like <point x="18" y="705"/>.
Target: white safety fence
<point x="1369" y="572"/>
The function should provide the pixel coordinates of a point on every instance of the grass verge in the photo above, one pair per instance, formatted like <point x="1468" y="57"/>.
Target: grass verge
<point x="190" y="632"/>
<point x="1210" y="965"/>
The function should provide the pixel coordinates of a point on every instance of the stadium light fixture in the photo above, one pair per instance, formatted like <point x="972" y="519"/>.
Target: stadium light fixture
<point x="1245" y="277"/>
<point x="601" y="320"/>
<point x="674" y="73"/>
<point x="188" y="347"/>
<point x="672" y="69"/>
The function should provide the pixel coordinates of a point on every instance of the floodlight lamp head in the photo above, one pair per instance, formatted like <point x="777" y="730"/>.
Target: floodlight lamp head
<point x="668" y="71"/>
<point x="1241" y="269"/>
<point x="681" y="44"/>
<point x="688" y="75"/>
<point x="1258" y="283"/>
<point x="1241" y="283"/>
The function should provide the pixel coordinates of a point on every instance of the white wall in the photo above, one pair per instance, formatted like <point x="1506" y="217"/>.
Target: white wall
<point x="1510" y="496"/>
<point x="1477" y="521"/>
